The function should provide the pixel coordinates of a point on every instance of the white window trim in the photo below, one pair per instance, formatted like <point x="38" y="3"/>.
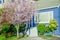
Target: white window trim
<point x="43" y="13"/>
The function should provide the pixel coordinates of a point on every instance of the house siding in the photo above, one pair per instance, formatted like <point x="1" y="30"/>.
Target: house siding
<point x="59" y="19"/>
<point x="56" y="12"/>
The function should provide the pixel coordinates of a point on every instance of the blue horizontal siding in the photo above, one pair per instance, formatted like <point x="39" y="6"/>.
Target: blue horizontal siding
<point x="56" y="15"/>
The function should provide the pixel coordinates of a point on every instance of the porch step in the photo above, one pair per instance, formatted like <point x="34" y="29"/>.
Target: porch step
<point x="33" y="32"/>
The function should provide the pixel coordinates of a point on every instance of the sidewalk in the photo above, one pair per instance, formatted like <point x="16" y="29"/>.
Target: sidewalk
<point x="38" y="38"/>
<point x="32" y="38"/>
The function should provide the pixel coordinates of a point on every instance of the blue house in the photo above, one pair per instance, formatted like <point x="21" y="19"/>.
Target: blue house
<point x="44" y="15"/>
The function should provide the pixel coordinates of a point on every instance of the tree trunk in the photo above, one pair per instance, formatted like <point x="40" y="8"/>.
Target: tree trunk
<point x="53" y="33"/>
<point x="17" y="27"/>
<point x="29" y="28"/>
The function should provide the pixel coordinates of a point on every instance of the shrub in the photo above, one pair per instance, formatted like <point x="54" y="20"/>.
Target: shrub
<point x="47" y="29"/>
<point x="53" y="25"/>
<point x="41" y="28"/>
<point x="5" y="28"/>
<point x="12" y="29"/>
<point x="21" y="27"/>
<point x="8" y="29"/>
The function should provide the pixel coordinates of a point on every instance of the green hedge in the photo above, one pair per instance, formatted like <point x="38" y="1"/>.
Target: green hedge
<point x="41" y="28"/>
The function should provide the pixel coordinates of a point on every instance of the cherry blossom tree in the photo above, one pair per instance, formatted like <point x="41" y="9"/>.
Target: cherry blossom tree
<point x="19" y="11"/>
<point x="1" y="17"/>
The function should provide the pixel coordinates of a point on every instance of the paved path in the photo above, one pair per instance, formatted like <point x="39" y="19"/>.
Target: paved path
<point x="32" y="38"/>
<point x="38" y="38"/>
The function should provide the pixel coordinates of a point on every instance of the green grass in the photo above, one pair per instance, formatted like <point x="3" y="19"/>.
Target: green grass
<point x="48" y="35"/>
<point x="2" y="37"/>
<point x="14" y="37"/>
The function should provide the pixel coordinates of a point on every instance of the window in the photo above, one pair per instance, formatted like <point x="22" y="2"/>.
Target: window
<point x="43" y="17"/>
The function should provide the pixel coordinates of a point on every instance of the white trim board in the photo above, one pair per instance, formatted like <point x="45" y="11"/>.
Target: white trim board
<point x="49" y="7"/>
<point x="48" y="14"/>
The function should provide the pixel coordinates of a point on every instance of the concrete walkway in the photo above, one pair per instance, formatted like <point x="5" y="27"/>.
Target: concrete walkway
<point x="32" y="38"/>
<point x="38" y="38"/>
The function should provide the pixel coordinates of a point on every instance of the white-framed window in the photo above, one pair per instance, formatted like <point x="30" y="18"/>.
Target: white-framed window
<point x="43" y="17"/>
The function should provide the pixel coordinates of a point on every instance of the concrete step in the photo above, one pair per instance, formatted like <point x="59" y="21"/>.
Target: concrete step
<point x="33" y="32"/>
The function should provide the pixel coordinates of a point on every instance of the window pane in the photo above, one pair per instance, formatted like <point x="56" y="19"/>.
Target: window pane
<point x="46" y="16"/>
<point x="43" y="17"/>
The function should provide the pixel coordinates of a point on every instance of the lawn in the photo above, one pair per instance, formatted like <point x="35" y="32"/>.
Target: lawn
<point x="2" y="37"/>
